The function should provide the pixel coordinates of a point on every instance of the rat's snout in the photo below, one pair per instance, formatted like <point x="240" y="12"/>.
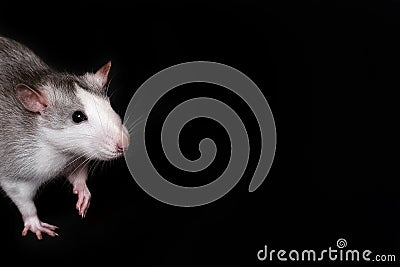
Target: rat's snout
<point x="123" y="142"/>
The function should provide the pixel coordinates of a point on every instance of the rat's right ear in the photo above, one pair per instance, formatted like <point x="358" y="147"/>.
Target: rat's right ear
<point x="32" y="100"/>
<point x="102" y="74"/>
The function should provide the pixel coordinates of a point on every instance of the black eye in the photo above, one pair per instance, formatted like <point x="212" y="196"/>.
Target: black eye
<point x="79" y="116"/>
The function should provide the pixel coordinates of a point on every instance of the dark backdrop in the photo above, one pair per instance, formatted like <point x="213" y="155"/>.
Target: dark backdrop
<point x="328" y="69"/>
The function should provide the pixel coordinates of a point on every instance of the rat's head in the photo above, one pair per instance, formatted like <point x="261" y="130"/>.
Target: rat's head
<point x="74" y="114"/>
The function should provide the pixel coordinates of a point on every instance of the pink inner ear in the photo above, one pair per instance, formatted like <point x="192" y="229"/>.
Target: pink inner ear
<point x="32" y="100"/>
<point x="102" y="73"/>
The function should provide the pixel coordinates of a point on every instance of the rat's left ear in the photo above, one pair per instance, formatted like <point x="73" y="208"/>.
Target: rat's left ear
<point x="102" y="74"/>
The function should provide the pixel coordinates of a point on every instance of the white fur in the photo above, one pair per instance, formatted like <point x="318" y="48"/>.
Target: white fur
<point x="95" y="138"/>
<point x="22" y="193"/>
<point x="104" y="123"/>
<point x="48" y="162"/>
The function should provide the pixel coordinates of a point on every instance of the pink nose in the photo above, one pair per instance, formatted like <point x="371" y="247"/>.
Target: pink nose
<point x="123" y="143"/>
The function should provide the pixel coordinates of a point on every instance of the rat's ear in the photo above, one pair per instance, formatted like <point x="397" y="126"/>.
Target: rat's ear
<point x="31" y="99"/>
<point x="102" y="74"/>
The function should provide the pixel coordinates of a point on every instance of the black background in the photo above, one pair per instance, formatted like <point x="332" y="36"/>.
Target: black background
<point x="329" y="71"/>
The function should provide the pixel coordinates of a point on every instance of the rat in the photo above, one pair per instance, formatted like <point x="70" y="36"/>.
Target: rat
<point x="52" y="124"/>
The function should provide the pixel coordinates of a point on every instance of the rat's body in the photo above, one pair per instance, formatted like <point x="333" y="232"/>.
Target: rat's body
<point x="51" y="124"/>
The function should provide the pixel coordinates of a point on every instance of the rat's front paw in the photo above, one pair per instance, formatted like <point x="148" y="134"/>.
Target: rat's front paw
<point x="83" y="198"/>
<point x="37" y="227"/>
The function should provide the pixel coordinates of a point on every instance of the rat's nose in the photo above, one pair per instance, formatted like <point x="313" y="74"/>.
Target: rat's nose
<point x="123" y="143"/>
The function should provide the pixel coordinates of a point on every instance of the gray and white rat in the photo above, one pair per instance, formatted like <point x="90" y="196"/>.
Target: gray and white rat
<point x="51" y="124"/>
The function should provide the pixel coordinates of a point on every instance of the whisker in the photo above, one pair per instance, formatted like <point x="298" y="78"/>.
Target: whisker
<point x="86" y="161"/>
<point x="132" y="128"/>
<point x="129" y="117"/>
<point x="76" y="159"/>
<point x="98" y="114"/>
<point x="93" y="167"/>
<point x="108" y="85"/>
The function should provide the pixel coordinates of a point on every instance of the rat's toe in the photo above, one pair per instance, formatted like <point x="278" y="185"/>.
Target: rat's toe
<point x="25" y="231"/>
<point x="52" y="227"/>
<point x="39" y="235"/>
